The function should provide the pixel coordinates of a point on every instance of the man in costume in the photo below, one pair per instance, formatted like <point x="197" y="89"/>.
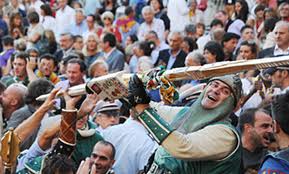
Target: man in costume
<point x="200" y="138"/>
<point x="278" y="162"/>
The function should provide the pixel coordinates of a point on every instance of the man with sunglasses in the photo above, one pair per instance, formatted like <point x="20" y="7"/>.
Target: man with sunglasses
<point x="198" y="139"/>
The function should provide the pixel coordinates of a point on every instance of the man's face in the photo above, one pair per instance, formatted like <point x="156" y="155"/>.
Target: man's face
<point x="175" y="42"/>
<point x="231" y="45"/>
<point x="262" y="129"/>
<point x="281" y="36"/>
<point x="19" y="67"/>
<point x="151" y="37"/>
<point x="6" y="97"/>
<point x="278" y="78"/>
<point x="101" y="157"/>
<point x="46" y="67"/>
<point x="284" y="11"/>
<point x="216" y="93"/>
<point x="78" y="44"/>
<point x="74" y="75"/>
<point x="79" y="18"/>
<point x="90" y="22"/>
<point x="105" y="120"/>
<point x="248" y="34"/>
<point x="65" y="42"/>
<point x="148" y="17"/>
<point x="246" y="52"/>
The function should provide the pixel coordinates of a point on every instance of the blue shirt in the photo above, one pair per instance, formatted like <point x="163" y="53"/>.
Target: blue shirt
<point x="172" y="59"/>
<point x="274" y="166"/>
<point x="79" y="29"/>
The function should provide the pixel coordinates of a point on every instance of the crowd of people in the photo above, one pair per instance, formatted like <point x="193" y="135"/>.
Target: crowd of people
<point x="236" y="123"/>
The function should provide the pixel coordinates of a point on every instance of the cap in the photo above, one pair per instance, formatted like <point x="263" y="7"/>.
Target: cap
<point x="103" y="106"/>
<point x="272" y="70"/>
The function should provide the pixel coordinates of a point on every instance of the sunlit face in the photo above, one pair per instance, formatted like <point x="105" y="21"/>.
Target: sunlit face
<point x="104" y="120"/>
<point x="155" y="5"/>
<point x="284" y="11"/>
<point x="175" y="42"/>
<point x="46" y="67"/>
<point x="90" y="22"/>
<point x="100" y="70"/>
<point x="78" y="44"/>
<point x="148" y="16"/>
<point x="101" y="157"/>
<point x="278" y="78"/>
<point x="246" y="52"/>
<point x="248" y="34"/>
<point x="217" y="92"/>
<point x="262" y="129"/>
<point x="79" y="17"/>
<point x="238" y="7"/>
<point x="19" y="67"/>
<point x="74" y="74"/>
<point x="281" y="36"/>
<point x="91" y="43"/>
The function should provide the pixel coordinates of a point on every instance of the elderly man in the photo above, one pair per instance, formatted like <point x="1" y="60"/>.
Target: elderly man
<point x="79" y="27"/>
<point x="173" y="57"/>
<point x="281" y="31"/>
<point x="200" y="138"/>
<point x="11" y="100"/>
<point x="150" y="24"/>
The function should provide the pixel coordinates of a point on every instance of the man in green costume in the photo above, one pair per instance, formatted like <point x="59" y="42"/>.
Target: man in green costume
<point x="200" y="138"/>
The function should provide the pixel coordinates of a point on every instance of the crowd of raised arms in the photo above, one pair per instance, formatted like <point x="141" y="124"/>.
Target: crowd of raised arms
<point x="232" y="124"/>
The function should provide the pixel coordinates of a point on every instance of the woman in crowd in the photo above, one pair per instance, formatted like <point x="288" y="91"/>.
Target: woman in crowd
<point x="35" y="30"/>
<point x="48" y="21"/>
<point x="213" y="52"/>
<point x="241" y="10"/>
<point x="107" y="19"/>
<point x="16" y="27"/>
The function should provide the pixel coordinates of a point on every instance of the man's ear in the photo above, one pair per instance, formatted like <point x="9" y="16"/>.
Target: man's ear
<point x="285" y="73"/>
<point x="247" y="127"/>
<point x="277" y="128"/>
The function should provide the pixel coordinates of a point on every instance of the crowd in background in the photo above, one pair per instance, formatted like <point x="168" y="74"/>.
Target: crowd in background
<point x="54" y="44"/>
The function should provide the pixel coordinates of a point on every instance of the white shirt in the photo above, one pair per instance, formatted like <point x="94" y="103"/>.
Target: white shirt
<point x="133" y="146"/>
<point x="278" y="51"/>
<point x="36" y="6"/>
<point x="64" y="19"/>
<point x="49" y="23"/>
<point x="157" y="25"/>
<point x="178" y="13"/>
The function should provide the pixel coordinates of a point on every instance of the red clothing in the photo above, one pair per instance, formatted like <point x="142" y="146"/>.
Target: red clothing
<point x="113" y="30"/>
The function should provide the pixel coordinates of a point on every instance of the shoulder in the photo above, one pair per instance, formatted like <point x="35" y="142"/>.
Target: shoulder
<point x="272" y="164"/>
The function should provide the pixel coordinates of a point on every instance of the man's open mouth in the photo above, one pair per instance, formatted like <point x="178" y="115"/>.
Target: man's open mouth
<point x="212" y="98"/>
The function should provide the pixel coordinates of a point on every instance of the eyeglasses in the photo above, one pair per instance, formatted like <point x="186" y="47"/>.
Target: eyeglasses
<point x="105" y="18"/>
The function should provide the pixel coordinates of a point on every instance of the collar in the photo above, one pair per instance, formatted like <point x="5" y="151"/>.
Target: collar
<point x="170" y="52"/>
<point x="280" y="50"/>
<point x="106" y="55"/>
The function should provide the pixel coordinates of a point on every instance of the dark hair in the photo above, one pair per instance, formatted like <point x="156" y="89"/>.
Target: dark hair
<point x="106" y="143"/>
<point x="147" y="47"/>
<point x="48" y="56"/>
<point x="110" y="38"/>
<point x="154" y="33"/>
<point x="37" y="88"/>
<point x="216" y="22"/>
<point x="33" y="17"/>
<point x="191" y="42"/>
<point x="253" y="46"/>
<point x="21" y="55"/>
<point x="280" y="107"/>
<point x="93" y="17"/>
<point x="245" y="27"/>
<point x="133" y="38"/>
<point x="58" y="164"/>
<point x="32" y="50"/>
<point x="243" y="15"/>
<point x="259" y="7"/>
<point x="216" y="49"/>
<point x="228" y="36"/>
<point x="128" y="10"/>
<point x="76" y="37"/>
<point x="46" y="9"/>
<point x="160" y="3"/>
<point x="269" y="24"/>
<point x="7" y="41"/>
<point x="247" y="117"/>
<point x="79" y="62"/>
